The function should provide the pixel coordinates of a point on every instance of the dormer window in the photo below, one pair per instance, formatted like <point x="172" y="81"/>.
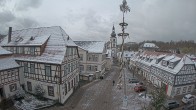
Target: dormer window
<point x="171" y="65"/>
<point x="164" y="63"/>
<point x="32" y="38"/>
<point x="157" y="61"/>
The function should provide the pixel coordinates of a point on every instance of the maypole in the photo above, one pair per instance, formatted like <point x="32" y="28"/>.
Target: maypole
<point x="124" y="8"/>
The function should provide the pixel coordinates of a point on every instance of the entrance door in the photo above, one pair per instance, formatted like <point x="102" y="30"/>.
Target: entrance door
<point x="1" y="94"/>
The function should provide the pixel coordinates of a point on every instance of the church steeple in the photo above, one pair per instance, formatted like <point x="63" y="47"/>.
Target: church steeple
<point x="113" y="34"/>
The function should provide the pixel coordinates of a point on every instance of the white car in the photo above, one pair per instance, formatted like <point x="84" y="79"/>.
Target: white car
<point x="187" y="98"/>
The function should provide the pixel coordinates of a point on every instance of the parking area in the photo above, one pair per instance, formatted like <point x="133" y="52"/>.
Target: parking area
<point x="149" y="86"/>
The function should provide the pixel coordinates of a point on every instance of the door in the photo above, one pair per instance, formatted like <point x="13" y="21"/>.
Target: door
<point x="1" y="94"/>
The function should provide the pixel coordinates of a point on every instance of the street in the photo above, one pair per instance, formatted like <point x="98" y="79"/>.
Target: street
<point x="102" y="95"/>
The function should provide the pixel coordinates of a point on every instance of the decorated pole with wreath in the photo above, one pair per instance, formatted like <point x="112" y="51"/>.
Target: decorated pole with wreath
<point x="124" y="8"/>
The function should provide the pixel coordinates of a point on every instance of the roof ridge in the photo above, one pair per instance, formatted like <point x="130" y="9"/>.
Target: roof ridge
<point x="36" y="28"/>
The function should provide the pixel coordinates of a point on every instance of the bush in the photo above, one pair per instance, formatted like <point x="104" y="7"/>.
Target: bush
<point x="39" y="91"/>
<point x="20" y="94"/>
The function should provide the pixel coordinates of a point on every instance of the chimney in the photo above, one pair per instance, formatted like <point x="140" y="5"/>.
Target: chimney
<point x="9" y="34"/>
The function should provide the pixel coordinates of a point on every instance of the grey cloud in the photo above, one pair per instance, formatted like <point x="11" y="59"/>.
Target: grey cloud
<point x="24" y="5"/>
<point x="26" y="22"/>
<point x="164" y="20"/>
<point x="6" y="16"/>
<point x="2" y="2"/>
<point x="8" y="19"/>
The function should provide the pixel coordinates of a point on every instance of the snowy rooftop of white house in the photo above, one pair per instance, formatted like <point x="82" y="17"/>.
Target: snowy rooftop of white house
<point x="150" y="45"/>
<point x="176" y="69"/>
<point x="168" y="57"/>
<point x="55" y="49"/>
<point x="91" y="46"/>
<point x="4" y="52"/>
<point x="7" y="63"/>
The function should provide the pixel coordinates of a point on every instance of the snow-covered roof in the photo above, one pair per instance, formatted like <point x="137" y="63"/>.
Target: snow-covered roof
<point x="175" y="59"/>
<point x="167" y="58"/>
<point x="91" y="46"/>
<point x="7" y="63"/>
<point x="55" y="49"/>
<point x="183" y="59"/>
<point x="150" y="45"/>
<point x="37" y="36"/>
<point x="4" y="52"/>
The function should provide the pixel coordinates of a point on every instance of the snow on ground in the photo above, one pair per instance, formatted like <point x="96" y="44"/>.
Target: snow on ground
<point x="31" y="103"/>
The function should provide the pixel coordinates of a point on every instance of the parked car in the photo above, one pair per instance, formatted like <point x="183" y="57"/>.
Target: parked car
<point x="187" y="98"/>
<point x="170" y="104"/>
<point x="140" y="83"/>
<point x="143" y="96"/>
<point x="139" y="88"/>
<point x="133" y="80"/>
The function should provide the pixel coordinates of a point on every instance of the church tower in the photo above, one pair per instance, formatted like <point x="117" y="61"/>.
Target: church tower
<point x="113" y="43"/>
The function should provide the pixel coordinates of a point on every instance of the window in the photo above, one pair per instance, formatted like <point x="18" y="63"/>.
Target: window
<point x="8" y="73"/>
<point x="65" y="88"/>
<point x="164" y="63"/>
<point x="81" y="67"/>
<point x="72" y="84"/>
<point x="189" y="89"/>
<point x="95" y="67"/>
<point x="171" y="65"/>
<point x="32" y="68"/>
<point x="29" y="86"/>
<point x="114" y="40"/>
<point x="13" y="87"/>
<point x="89" y="67"/>
<point x="81" y="57"/>
<point x="89" y="57"/>
<point x="48" y="70"/>
<point x="25" y="67"/>
<point x="72" y="67"/>
<point x="17" y="50"/>
<point x="12" y="49"/>
<point x="69" y="86"/>
<point x="22" y="50"/>
<point x="32" y="50"/>
<point x="184" y="89"/>
<point x="69" y="68"/>
<point x="178" y="91"/>
<point x="65" y="70"/>
<point x="50" y="90"/>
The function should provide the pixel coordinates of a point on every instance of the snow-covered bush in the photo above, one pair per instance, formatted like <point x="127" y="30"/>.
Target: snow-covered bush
<point x="20" y="93"/>
<point x="39" y="91"/>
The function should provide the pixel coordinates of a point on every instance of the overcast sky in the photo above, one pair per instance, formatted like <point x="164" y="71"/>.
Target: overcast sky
<point x="163" y="20"/>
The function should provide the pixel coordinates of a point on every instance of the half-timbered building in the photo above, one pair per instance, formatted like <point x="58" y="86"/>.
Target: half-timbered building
<point x="9" y="75"/>
<point x="48" y="57"/>
<point x="92" y="59"/>
<point x="175" y="72"/>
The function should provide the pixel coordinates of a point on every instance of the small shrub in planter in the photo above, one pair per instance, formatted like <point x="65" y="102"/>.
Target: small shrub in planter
<point x="20" y="94"/>
<point x="39" y="91"/>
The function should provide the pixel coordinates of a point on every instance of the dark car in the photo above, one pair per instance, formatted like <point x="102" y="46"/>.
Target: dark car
<point x="133" y="80"/>
<point x="139" y="88"/>
<point x="170" y="104"/>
